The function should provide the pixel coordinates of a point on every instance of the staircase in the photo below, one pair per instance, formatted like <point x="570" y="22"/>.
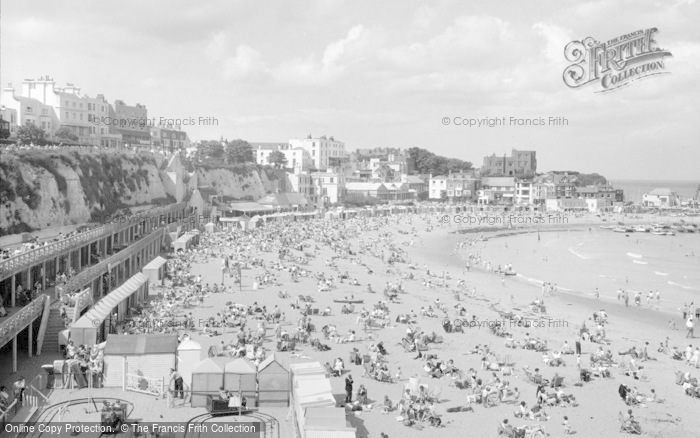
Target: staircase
<point x="54" y="325"/>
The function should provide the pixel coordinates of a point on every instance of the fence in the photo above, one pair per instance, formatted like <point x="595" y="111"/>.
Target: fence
<point x="144" y="385"/>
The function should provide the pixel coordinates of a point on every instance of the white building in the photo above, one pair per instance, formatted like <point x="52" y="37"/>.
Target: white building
<point x="437" y="186"/>
<point x="322" y="150"/>
<point x="302" y="182"/>
<point x="329" y="186"/>
<point x="298" y="158"/>
<point x="524" y="192"/>
<point x="30" y="110"/>
<point x="661" y="198"/>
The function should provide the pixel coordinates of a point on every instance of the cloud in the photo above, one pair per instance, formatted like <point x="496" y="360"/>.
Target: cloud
<point x="424" y="17"/>
<point x="246" y="63"/>
<point x="337" y="57"/>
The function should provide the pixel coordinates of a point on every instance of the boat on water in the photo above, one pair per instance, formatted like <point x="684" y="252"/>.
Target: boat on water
<point x="690" y="229"/>
<point x="607" y="227"/>
<point x="620" y="230"/>
<point x="642" y="229"/>
<point x="658" y="232"/>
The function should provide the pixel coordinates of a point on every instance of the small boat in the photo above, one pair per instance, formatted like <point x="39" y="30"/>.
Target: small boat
<point x="658" y="232"/>
<point x="641" y="229"/>
<point x="689" y="229"/>
<point x="349" y="301"/>
<point x="620" y="230"/>
<point x="606" y="227"/>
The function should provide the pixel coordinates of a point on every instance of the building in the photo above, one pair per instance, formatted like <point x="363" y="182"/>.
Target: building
<point x="566" y="205"/>
<point x="462" y="186"/>
<point x="28" y="110"/>
<point x="169" y="137"/>
<point x="298" y="158"/>
<point x="520" y="163"/>
<point x="322" y="150"/>
<point x="437" y="187"/>
<point x="8" y="116"/>
<point x="415" y="183"/>
<point x="554" y="186"/>
<point x="367" y="189"/>
<point x="131" y="122"/>
<point x="662" y="197"/>
<point x="392" y="192"/>
<point x="302" y="183"/>
<point x="496" y="190"/>
<point x="524" y="192"/>
<point x="329" y="186"/>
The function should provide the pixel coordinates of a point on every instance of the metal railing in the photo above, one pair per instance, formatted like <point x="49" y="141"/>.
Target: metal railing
<point x="81" y="301"/>
<point x="35" y="256"/>
<point x="91" y="273"/>
<point x="17" y="322"/>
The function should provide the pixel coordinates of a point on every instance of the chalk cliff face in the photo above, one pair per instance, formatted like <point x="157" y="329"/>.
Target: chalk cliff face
<point x="241" y="183"/>
<point x="50" y="188"/>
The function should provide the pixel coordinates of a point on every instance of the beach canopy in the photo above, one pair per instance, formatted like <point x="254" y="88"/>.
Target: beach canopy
<point x="84" y="331"/>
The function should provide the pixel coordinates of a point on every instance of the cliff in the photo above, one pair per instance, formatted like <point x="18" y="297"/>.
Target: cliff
<point x="49" y="188"/>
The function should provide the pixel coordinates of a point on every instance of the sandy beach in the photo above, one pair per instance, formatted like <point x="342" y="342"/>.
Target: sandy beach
<point x="599" y="402"/>
<point x="427" y="244"/>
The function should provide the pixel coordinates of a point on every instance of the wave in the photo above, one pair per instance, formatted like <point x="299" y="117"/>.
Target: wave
<point x="660" y="273"/>
<point x="571" y="250"/>
<point x="531" y="280"/>
<point x="636" y="256"/>
<point x="640" y="263"/>
<point x="682" y="286"/>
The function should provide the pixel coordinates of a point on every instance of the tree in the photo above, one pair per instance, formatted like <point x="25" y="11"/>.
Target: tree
<point x="277" y="159"/>
<point x="30" y="133"/>
<point x="239" y="151"/>
<point x="210" y="149"/>
<point x="428" y="162"/>
<point x="64" y="133"/>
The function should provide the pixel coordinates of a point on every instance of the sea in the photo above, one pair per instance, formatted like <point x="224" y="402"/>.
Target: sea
<point x="635" y="189"/>
<point x="580" y="261"/>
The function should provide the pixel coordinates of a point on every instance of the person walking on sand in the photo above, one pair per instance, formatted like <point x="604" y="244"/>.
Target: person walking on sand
<point x="658" y="297"/>
<point x="689" y="328"/>
<point x="597" y="294"/>
<point x="348" y="389"/>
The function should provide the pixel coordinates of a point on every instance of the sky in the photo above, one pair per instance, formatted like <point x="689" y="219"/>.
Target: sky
<point x="379" y="73"/>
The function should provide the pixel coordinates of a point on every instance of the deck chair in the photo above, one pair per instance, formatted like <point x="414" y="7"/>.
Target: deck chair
<point x="557" y="382"/>
<point x="679" y="377"/>
<point x="503" y="432"/>
<point x="633" y="428"/>
<point x="214" y="351"/>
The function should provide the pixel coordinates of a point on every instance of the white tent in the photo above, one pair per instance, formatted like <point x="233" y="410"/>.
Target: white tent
<point x="90" y="328"/>
<point x="155" y="270"/>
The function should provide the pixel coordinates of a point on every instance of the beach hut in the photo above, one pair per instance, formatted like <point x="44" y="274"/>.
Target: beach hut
<point x="207" y="378"/>
<point x="274" y="383"/>
<point x="155" y="270"/>
<point x="241" y="376"/>
<point x="209" y="228"/>
<point x="324" y="422"/>
<point x="189" y="354"/>
<point x="142" y="359"/>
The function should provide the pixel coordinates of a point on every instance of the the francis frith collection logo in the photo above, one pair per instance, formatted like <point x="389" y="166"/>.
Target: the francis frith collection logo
<point x="615" y="63"/>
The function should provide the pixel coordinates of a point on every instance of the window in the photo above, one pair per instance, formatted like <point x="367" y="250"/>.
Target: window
<point x="29" y="109"/>
<point x="66" y="115"/>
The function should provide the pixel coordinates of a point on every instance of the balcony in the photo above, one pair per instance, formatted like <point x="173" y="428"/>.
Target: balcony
<point x="19" y="320"/>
